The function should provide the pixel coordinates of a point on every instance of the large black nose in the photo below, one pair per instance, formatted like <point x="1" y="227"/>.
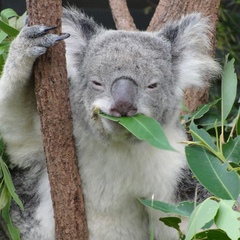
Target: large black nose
<point x="124" y="92"/>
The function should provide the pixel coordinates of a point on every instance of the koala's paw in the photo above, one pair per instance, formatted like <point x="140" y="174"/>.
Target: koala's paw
<point x="35" y="39"/>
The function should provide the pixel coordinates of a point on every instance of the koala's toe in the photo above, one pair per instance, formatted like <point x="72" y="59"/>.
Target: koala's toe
<point x="62" y="37"/>
<point x="36" y="31"/>
<point x="36" y="51"/>
<point x="51" y="39"/>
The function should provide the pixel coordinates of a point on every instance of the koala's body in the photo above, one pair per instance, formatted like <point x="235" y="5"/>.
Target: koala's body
<point x="122" y="74"/>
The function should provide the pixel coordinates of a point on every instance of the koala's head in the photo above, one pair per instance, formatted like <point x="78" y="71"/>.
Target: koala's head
<point x="125" y="73"/>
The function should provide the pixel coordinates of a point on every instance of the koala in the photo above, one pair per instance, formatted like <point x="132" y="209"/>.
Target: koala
<point x="121" y="73"/>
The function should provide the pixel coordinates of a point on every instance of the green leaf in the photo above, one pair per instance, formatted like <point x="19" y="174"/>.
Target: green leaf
<point x="209" y="120"/>
<point x="7" y="13"/>
<point x="202" y="214"/>
<point x="9" y="183"/>
<point x="21" y="21"/>
<point x="212" y="234"/>
<point x="2" y="146"/>
<point x="201" y="111"/>
<point x="172" y="222"/>
<point x="13" y="231"/>
<point x="4" y="47"/>
<point x="238" y="123"/>
<point x="183" y="209"/>
<point x="231" y="150"/>
<point x="1" y="64"/>
<point x="8" y="29"/>
<point x="3" y="36"/>
<point x="228" y="220"/>
<point x="212" y="173"/>
<point x="202" y="136"/>
<point x="144" y="128"/>
<point x="229" y="87"/>
<point x="4" y="197"/>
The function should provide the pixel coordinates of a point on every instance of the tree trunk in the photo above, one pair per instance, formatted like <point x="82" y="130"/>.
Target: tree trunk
<point x="121" y="15"/>
<point x="51" y="86"/>
<point x="173" y="10"/>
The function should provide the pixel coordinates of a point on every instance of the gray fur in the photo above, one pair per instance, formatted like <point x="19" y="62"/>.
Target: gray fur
<point x="120" y="73"/>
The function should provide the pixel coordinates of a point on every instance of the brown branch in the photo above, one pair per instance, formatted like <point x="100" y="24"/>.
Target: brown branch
<point x="121" y="15"/>
<point x="51" y="88"/>
<point x="165" y="11"/>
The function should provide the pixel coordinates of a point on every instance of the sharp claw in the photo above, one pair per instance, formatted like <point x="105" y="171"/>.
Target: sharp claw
<point x="62" y="37"/>
<point x="46" y="29"/>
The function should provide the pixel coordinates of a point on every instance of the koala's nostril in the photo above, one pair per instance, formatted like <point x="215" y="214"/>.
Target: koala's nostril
<point x="121" y="108"/>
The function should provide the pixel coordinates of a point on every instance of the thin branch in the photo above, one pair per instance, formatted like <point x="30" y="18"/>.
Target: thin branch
<point x="165" y="11"/>
<point x="121" y="15"/>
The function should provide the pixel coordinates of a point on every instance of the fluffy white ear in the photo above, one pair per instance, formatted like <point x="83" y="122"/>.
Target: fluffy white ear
<point x="190" y="46"/>
<point x="81" y="29"/>
<point x="78" y="25"/>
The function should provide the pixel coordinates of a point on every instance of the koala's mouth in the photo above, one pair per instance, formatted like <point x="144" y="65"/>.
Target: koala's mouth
<point x="108" y="126"/>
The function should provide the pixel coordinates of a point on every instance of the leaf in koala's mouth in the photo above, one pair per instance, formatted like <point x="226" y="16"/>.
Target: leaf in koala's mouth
<point x="144" y="128"/>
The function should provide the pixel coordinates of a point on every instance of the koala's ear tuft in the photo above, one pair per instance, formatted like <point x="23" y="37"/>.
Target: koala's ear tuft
<point x="191" y="50"/>
<point x="80" y="27"/>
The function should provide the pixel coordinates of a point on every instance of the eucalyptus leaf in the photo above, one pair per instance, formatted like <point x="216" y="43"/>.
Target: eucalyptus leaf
<point x="203" y="109"/>
<point x="209" y="120"/>
<point x="184" y="209"/>
<point x="201" y="215"/>
<point x="212" y="234"/>
<point x="228" y="220"/>
<point x="12" y="32"/>
<point x="202" y="136"/>
<point x="8" y="13"/>
<point x="172" y="222"/>
<point x="21" y="21"/>
<point x="201" y="112"/>
<point x="2" y="146"/>
<point x="231" y="150"/>
<point x="9" y="183"/>
<point x="144" y="128"/>
<point x="212" y="173"/>
<point x="229" y="87"/>
<point x="13" y="231"/>
<point x="4" y="47"/>
<point x="238" y="126"/>
<point x="4" y="197"/>
<point x="3" y="36"/>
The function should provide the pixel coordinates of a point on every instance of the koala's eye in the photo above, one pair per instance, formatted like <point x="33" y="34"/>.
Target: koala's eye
<point x="152" y="86"/>
<point x="97" y="84"/>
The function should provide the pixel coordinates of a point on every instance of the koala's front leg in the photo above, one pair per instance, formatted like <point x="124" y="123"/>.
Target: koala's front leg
<point x="30" y="43"/>
<point x="19" y="123"/>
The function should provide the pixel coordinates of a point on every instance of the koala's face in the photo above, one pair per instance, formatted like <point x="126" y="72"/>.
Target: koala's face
<point x="125" y="74"/>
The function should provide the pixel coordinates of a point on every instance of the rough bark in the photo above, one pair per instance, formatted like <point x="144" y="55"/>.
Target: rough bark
<point x="121" y="15"/>
<point x="173" y="10"/>
<point x="51" y="86"/>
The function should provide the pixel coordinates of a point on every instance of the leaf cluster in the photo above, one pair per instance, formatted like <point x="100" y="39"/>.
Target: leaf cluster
<point x="10" y="24"/>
